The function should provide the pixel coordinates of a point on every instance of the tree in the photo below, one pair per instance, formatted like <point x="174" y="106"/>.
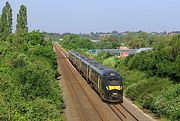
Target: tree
<point x="21" y="26"/>
<point x="6" y="21"/>
<point x="74" y="41"/>
<point x="0" y="28"/>
<point x="135" y="40"/>
<point x="35" y="38"/>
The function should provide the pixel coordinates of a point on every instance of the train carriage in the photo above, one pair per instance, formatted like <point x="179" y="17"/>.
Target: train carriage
<point x="85" y="69"/>
<point x="75" y="59"/>
<point x="106" y="81"/>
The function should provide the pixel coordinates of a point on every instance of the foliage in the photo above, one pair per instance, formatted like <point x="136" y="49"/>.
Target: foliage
<point x="74" y="41"/>
<point x="20" y="61"/>
<point x="103" y="44"/>
<point x="139" y="40"/>
<point x="100" y="57"/>
<point x="28" y="89"/>
<point x="109" y="42"/>
<point x="159" y="95"/>
<point x="111" y="62"/>
<point x="154" y="93"/>
<point x="21" y="26"/>
<point x="162" y="61"/>
<point x="130" y="77"/>
<point x="35" y="38"/>
<point x="45" y="52"/>
<point x="27" y="83"/>
<point x="168" y="103"/>
<point x="6" y="21"/>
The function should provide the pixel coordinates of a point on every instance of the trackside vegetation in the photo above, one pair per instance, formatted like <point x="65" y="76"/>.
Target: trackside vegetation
<point x="163" y="61"/>
<point x="151" y="79"/>
<point x="74" y="41"/>
<point x="28" y="88"/>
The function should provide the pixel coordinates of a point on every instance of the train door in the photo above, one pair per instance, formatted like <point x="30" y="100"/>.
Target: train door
<point x="90" y="71"/>
<point x="99" y="84"/>
<point x="75" y="61"/>
<point x="87" y="72"/>
<point x="90" y="78"/>
<point x="80" y="65"/>
<point x="100" y="88"/>
<point x="93" y="79"/>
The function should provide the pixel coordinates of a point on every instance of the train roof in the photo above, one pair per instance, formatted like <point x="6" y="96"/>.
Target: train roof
<point x="98" y="67"/>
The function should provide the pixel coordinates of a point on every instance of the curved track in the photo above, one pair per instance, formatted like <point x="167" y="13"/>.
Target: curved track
<point x="83" y="104"/>
<point x="73" y="86"/>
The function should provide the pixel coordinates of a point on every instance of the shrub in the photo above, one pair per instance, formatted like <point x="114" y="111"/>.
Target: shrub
<point x="146" y="91"/>
<point x="35" y="79"/>
<point x="44" y="52"/>
<point x="20" y="61"/>
<point x="111" y="62"/>
<point x="162" y="61"/>
<point x="168" y="103"/>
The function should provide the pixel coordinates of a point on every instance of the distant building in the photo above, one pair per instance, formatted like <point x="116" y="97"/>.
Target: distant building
<point x="143" y="49"/>
<point x="124" y="54"/>
<point x="123" y="47"/>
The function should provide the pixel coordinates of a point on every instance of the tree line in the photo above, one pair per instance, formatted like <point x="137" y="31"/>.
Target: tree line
<point x="163" y="61"/>
<point x="133" y="40"/>
<point x="6" y="21"/>
<point x="28" y="71"/>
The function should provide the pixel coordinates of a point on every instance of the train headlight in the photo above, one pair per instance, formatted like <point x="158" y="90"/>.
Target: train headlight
<point x="107" y="87"/>
<point x="121" y="88"/>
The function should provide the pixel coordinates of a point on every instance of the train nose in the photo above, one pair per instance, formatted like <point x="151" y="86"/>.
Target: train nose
<point x="114" y="87"/>
<point x="114" y="95"/>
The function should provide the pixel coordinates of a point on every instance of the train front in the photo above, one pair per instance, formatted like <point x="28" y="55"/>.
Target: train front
<point x="113" y="86"/>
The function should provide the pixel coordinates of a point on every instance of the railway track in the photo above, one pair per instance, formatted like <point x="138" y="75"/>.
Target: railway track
<point x="88" y="106"/>
<point x="77" y="86"/>
<point x="122" y="112"/>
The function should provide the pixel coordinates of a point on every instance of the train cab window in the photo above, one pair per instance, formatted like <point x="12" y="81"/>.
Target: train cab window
<point x="113" y="82"/>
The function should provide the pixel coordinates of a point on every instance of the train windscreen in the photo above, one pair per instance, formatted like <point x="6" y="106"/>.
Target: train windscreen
<point x="114" y="82"/>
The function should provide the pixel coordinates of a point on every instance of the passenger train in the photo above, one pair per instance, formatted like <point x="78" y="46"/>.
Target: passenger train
<point x="105" y="81"/>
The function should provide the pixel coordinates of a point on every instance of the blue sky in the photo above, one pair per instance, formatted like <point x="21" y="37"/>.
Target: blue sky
<point x="85" y="16"/>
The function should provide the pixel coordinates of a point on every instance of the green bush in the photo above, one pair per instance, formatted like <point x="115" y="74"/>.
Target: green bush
<point x="74" y="42"/>
<point x="162" y="61"/>
<point x="37" y="110"/>
<point x="111" y="62"/>
<point x="168" y="103"/>
<point x="20" y="61"/>
<point x="35" y="79"/>
<point x="144" y="91"/>
<point x="28" y="89"/>
<point x="4" y="116"/>
<point x="43" y="52"/>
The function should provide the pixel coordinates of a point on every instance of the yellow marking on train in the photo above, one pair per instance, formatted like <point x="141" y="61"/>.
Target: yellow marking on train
<point x="114" y="87"/>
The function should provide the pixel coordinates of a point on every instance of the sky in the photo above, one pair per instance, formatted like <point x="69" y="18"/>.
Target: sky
<point x="85" y="16"/>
